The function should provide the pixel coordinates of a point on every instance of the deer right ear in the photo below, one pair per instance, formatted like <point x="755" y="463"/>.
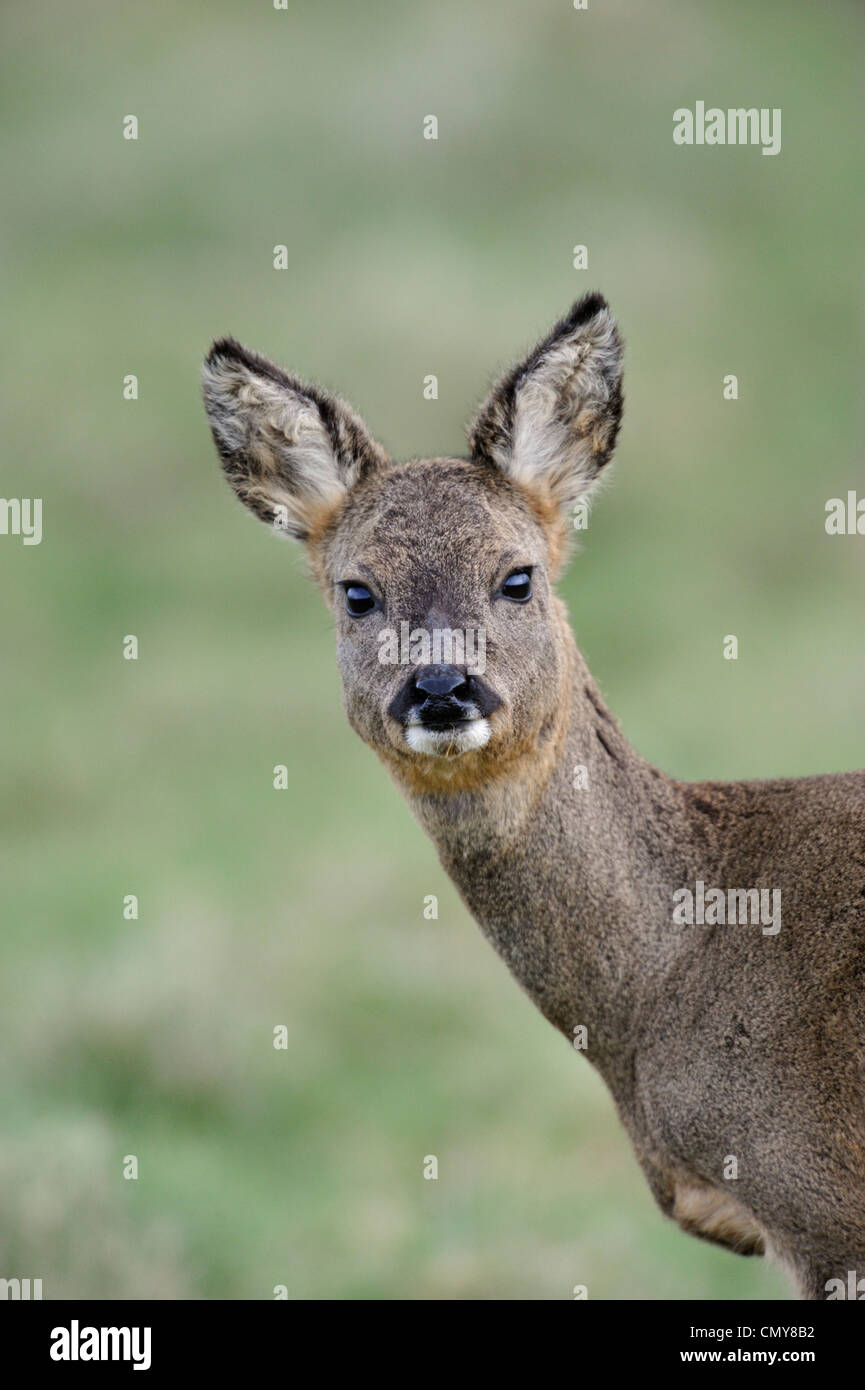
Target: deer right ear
<point x="551" y="423"/>
<point x="289" y="450"/>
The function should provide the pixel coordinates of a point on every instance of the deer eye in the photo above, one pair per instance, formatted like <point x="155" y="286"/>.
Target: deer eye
<point x="358" y="600"/>
<point x="518" y="586"/>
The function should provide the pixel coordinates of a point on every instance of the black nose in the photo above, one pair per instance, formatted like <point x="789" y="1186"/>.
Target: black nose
<point x="440" y="681"/>
<point x="440" y="695"/>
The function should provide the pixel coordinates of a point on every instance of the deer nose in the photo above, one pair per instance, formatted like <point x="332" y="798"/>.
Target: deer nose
<point x="440" y="681"/>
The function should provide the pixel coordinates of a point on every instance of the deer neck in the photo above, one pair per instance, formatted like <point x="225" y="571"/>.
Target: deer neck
<point x="566" y="866"/>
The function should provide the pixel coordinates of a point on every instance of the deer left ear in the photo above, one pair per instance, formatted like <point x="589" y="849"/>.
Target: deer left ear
<point x="290" y="450"/>
<point x="551" y="423"/>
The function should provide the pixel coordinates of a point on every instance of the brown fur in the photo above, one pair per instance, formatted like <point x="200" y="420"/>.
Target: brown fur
<point x="713" y="1040"/>
<point x="716" y="1216"/>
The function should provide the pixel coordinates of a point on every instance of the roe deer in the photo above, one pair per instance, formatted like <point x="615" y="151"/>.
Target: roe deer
<point x="735" y="1054"/>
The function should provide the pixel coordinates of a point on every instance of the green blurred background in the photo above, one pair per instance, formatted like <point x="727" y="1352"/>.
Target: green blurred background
<point x="304" y="907"/>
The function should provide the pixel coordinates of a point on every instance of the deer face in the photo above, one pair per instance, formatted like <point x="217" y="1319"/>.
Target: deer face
<point x="450" y="639"/>
<point x="439" y="575"/>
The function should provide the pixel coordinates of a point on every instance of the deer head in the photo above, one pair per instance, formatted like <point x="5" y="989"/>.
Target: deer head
<point x="453" y="648"/>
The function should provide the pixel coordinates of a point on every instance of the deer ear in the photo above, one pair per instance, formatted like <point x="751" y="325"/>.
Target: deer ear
<point x="551" y="423"/>
<point x="290" y="451"/>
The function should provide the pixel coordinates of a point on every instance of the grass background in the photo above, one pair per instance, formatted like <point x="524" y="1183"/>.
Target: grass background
<point x="406" y="1037"/>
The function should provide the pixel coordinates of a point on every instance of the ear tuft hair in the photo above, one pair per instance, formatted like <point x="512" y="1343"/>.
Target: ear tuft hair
<point x="551" y="422"/>
<point x="289" y="450"/>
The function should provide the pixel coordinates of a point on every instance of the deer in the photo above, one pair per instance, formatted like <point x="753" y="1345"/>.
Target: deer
<point x="734" y="1052"/>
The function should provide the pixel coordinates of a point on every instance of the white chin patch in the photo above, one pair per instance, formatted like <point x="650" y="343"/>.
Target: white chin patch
<point x="444" y="743"/>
